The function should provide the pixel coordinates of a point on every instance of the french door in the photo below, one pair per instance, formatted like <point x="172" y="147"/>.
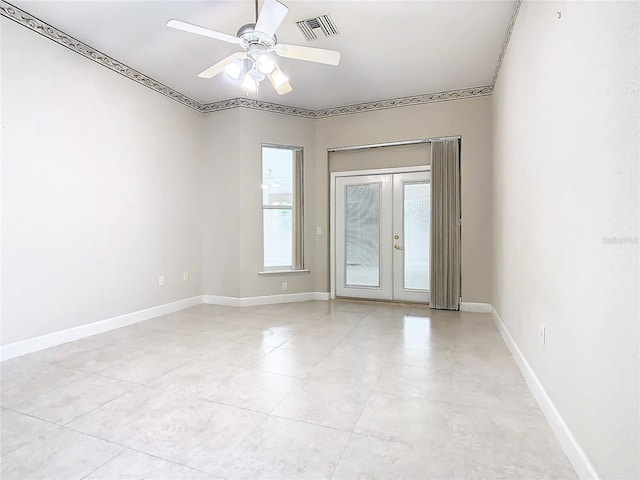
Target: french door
<point x="382" y="225"/>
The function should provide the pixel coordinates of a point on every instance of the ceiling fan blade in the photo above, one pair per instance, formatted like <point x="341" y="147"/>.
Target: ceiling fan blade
<point x="310" y="54"/>
<point x="279" y="81"/>
<point x="188" y="27"/>
<point x="218" y="68"/>
<point x="271" y="16"/>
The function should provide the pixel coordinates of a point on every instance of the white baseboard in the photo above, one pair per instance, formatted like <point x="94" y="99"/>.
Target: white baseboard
<point x="265" y="300"/>
<point x="42" y="342"/>
<point x="49" y="340"/>
<point x="475" y="307"/>
<point x="576" y="455"/>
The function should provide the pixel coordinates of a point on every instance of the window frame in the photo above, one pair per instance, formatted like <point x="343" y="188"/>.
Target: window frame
<point x="297" y="265"/>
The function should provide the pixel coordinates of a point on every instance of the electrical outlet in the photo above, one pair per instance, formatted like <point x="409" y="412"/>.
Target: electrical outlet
<point x="318" y="230"/>
<point x="543" y="335"/>
<point x="185" y="276"/>
<point x="161" y="281"/>
<point x="284" y="286"/>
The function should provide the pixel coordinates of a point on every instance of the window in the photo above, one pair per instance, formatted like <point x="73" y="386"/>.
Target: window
<point x="282" y="207"/>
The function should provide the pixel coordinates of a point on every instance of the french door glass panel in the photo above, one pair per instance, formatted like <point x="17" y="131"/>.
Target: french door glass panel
<point x="417" y="206"/>
<point x="363" y="246"/>
<point x="411" y="222"/>
<point x="382" y="236"/>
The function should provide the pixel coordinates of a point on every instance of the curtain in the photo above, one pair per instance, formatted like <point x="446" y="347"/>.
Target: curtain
<point x="298" y="209"/>
<point x="445" y="224"/>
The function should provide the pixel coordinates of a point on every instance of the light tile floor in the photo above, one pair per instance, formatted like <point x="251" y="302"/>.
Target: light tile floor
<point x="318" y="390"/>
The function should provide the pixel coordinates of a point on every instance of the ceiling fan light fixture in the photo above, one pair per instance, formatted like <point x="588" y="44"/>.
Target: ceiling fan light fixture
<point x="234" y="69"/>
<point x="249" y="83"/>
<point x="278" y="78"/>
<point x="266" y="65"/>
<point x="256" y="75"/>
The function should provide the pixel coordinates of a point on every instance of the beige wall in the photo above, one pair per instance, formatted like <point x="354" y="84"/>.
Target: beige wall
<point x="566" y="191"/>
<point x="470" y="118"/>
<point x="100" y="191"/>
<point x="232" y="217"/>
<point x="232" y="201"/>
<point x="383" y="157"/>
<point x="220" y="200"/>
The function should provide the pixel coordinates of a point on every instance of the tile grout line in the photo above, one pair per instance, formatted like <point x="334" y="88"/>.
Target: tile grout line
<point x="102" y="465"/>
<point x="38" y="437"/>
<point x="125" y="447"/>
<point x="96" y="408"/>
<point x="333" y="471"/>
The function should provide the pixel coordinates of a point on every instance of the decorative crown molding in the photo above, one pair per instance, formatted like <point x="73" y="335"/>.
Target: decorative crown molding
<point x="256" y="105"/>
<point x="347" y="109"/>
<point x="34" y="24"/>
<point x="406" y="101"/>
<point x="505" y="44"/>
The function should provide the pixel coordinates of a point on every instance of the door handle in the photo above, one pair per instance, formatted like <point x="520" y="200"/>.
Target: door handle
<point x="398" y="247"/>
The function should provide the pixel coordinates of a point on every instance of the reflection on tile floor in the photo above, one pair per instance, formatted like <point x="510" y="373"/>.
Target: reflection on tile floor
<point x="316" y="390"/>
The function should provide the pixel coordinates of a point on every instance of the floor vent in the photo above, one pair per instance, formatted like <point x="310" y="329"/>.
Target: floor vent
<point x="311" y="26"/>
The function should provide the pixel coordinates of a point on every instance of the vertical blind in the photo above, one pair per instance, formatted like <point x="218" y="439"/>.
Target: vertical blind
<point x="362" y="244"/>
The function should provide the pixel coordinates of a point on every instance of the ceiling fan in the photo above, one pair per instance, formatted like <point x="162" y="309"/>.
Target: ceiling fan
<point x="258" y="41"/>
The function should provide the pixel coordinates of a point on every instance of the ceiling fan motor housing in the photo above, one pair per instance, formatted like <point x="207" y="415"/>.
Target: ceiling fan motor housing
<point x="250" y="36"/>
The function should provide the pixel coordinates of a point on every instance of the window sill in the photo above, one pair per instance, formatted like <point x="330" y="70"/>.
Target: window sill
<point x="266" y="273"/>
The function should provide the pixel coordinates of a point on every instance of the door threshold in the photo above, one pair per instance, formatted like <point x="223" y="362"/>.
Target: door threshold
<point x="377" y="300"/>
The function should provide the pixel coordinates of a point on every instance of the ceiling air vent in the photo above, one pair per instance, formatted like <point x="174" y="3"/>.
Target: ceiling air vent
<point x="311" y="26"/>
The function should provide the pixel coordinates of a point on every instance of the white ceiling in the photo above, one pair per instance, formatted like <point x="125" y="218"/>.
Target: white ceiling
<point x="389" y="49"/>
